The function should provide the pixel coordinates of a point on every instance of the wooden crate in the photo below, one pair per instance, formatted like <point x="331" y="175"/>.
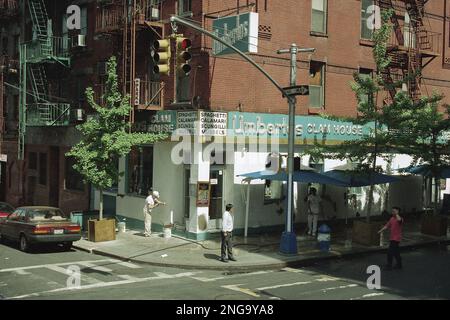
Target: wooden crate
<point x="366" y="233"/>
<point x="434" y="225"/>
<point x="102" y="230"/>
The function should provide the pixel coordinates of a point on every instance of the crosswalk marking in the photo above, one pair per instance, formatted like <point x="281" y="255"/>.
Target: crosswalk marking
<point x="129" y="265"/>
<point x="235" y="287"/>
<point x="83" y="277"/>
<point x="369" y="295"/>
<point x="204" y="279"/>
<point x="21" y="272"/>
<point x="102" y="285"/>
<point x="54" y="264"/>
<point x="94" y="267"/>
<point x="285" y="285"/>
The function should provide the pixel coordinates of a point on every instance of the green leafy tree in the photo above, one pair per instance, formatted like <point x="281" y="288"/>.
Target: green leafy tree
<point x="377" y="142"/>
<point x="422" y="129"/>
<point x="106" y="137"/>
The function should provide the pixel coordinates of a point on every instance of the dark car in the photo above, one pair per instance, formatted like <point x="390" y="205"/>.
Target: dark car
<point x="33" y="225"/>
<point x="5" y="209"/>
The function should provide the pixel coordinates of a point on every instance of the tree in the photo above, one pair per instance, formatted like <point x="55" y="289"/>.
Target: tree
<point x="106" y="137"/>
<point x="421" y="131"/>
<point x="377" y="142"/>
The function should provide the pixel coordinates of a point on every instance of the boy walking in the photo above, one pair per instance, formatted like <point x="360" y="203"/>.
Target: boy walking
<point x="395" y="225"/>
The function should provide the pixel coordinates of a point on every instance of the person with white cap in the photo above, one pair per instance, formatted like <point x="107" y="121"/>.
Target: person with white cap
<point x="151" y="202"/>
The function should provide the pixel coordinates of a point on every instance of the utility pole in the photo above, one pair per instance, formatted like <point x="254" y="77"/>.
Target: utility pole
<point x="288" y="243"/>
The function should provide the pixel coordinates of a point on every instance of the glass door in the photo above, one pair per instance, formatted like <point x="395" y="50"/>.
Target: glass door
<point x="216" y="201"/>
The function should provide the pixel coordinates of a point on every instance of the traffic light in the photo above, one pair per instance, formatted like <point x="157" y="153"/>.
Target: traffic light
<point x="183" y="56"/>
<point x="161" y="56"/>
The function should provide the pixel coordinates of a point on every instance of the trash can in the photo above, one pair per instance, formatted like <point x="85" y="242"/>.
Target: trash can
<point x="77" y="217"/>
<point x="324" y="238"/>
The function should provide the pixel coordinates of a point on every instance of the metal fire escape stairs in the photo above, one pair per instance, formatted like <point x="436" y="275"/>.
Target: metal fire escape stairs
<point x="43" y="49"/>
<point x="407" y="54"/>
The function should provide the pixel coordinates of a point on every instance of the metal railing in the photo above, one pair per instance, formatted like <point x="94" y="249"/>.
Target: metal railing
<point x="151" y="94"/>
<point x="109" y="18"/>
<point x="7" y="62"/>
<point x="52" y="47"/>
<point x="48" y="114"/>
<point x="423" y="39"/>
<point x="9" y="7"/>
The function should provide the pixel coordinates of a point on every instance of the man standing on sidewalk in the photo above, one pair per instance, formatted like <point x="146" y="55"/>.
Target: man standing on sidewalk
<point x="151" y="202"/>
<point x="227" y="234"/>
<point x="314" y="201"/>
<point x="395" y="225"/>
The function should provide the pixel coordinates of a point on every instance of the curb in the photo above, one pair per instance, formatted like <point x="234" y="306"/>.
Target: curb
<point x="295" y="263"/>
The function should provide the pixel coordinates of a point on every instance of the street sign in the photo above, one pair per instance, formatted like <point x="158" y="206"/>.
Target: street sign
<point x="302" y="90"/>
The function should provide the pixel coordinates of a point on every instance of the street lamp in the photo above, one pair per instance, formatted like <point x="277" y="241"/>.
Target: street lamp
<point x="288" y="244"/>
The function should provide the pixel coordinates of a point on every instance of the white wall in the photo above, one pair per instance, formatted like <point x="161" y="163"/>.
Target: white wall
<point x="168" y="179"/>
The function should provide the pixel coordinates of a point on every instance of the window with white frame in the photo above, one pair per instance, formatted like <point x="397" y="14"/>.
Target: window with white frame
<point x="319" y="16"/>
<point x="366" y="32"/>
<point x="316" y="84"/>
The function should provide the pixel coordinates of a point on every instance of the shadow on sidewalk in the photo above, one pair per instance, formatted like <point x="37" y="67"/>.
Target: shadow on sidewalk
<point x="211" y="256"/>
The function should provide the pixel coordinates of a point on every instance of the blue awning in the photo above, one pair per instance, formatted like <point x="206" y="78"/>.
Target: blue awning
<point x="425" y="170"/>
<point x="360" y="179"/>
<point x="298" y="176"/>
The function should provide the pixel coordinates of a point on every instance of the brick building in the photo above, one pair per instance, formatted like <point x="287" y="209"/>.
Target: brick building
<point x="44" y="99"/>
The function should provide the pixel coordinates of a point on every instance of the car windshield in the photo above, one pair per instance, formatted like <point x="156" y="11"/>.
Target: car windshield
<point x="4" y="207"/>
<point x="47" y="215"/>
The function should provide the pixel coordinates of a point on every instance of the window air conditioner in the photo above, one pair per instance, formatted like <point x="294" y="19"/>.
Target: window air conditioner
<point x="155" y="14"/>
<point x="79" y="41"/>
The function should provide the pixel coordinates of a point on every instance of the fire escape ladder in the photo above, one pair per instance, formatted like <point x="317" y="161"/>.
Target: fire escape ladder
<point x="388" y="4"/>
<point x="38" y="81"/>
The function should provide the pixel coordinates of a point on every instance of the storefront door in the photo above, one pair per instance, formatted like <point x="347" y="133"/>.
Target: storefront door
<point x="216" y="201"/>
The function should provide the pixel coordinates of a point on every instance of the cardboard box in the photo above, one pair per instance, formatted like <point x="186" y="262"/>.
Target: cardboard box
<point x="102" y="230"/>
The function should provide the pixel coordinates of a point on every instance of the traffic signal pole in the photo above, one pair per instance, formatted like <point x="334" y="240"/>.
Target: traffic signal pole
<point x="288" y="243"/>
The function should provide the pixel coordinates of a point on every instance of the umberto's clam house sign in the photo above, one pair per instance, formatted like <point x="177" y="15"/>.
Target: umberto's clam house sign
<point x="307" y="128"/>
<point x="252" y="125"/>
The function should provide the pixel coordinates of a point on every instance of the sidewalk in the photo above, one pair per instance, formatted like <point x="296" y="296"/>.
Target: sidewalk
<point x="257" y="252"/>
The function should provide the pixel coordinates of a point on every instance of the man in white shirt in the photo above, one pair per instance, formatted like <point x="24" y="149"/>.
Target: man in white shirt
<point x="314" y="202"/>
<point x="227" y="233"/>
<point x="152" y="201"/>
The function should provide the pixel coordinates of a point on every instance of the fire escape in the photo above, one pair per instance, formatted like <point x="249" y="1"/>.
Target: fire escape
<point x="9" y="10"/>
<point x="412" y="46"/>
<point x="35" y="105"/>
<point x="124" y="21"/>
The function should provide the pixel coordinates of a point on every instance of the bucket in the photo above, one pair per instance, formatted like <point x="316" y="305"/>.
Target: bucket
<point x="121" y="226"/>
<point x="167" y="232"/>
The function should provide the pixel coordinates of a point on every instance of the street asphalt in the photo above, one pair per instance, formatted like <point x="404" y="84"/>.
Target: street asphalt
<point x="44" y="274"/>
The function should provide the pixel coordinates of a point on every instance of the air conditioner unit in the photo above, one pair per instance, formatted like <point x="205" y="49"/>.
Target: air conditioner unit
<point x="79" y="114"/>
<point x="155" y="14"/>
<point x="79" y="41"/>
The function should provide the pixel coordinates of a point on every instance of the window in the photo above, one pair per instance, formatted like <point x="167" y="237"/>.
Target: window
<point x="319" y="16"/>
<point x="140" y="170"/>
<point x="366" y="32"/>
<point x="365" y="74"/>
<point x="316" y="84"/>
<point x="32" y="163"/>
<point x="184" y="6"/>
<point x="84" y="19"/>
<point x="43" y="168"/>
<point x="409" y="34"/>
<point x="73" y="179"/>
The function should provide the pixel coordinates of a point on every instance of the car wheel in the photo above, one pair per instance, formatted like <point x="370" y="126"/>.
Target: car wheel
<point x="67" y="245"/>
<point x="23" y="243"/>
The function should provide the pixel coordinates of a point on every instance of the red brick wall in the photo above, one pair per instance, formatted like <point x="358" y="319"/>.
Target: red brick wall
<point x="234" y="82"/>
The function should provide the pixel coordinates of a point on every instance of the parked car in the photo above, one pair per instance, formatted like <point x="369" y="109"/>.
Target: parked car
<point x="33" y="225"/>
<point x="5" y="209"/>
